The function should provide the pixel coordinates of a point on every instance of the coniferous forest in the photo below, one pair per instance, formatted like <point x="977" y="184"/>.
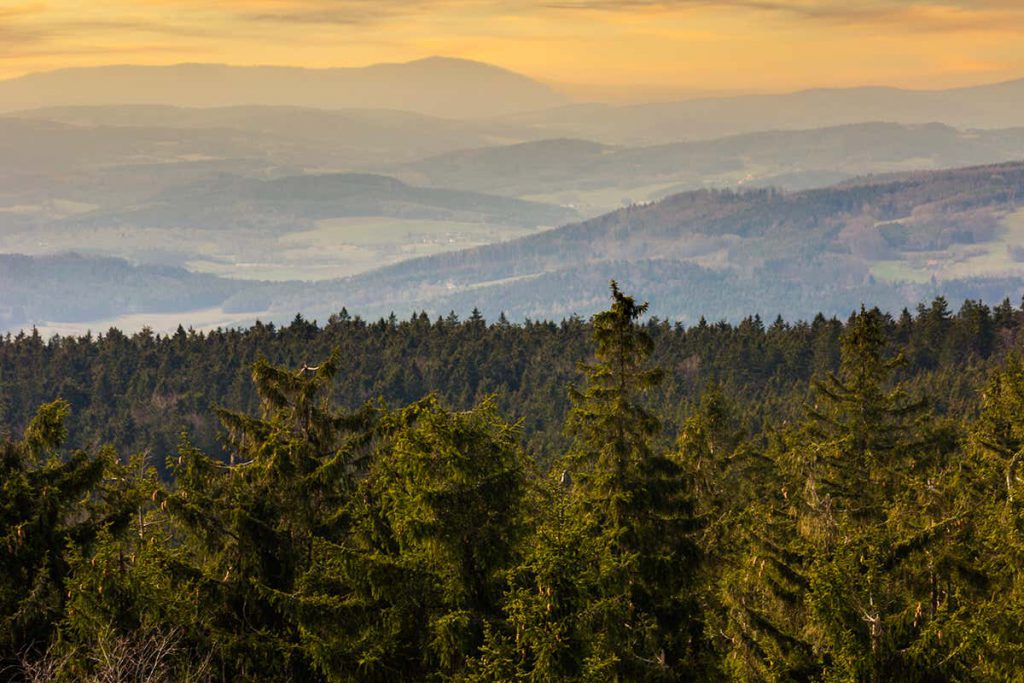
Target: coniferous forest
<point x="619" y="499"/>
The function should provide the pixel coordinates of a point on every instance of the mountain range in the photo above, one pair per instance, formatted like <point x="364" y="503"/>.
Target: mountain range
<point x="464" y="89"/>
<point x="790" y="159"/>
<point x="891" y="240"/>
<point x="995" y="105"/>
<point x="456" y="88"/>
<point x="441" y="185"/>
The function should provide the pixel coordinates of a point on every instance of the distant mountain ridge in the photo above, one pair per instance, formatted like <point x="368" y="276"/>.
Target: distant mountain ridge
<point x="998" y="105"/>
<point x="71" y="287"/>
<point x="438" y="86"/>
<point x="293" y="202"/>
<point x="347" y="136"/>
<point x="769" y="157"/>
<point x="465" y="89"/>
<point x="359" y="173"/>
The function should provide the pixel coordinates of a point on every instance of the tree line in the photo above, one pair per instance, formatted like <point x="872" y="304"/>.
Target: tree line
<point x="139" y="392"/>
<point x="843" y="522"/>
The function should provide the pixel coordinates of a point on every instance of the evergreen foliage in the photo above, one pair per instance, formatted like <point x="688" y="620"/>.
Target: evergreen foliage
<point x="812" y="502"/>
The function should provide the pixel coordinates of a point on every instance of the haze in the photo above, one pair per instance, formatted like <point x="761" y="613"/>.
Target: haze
<point x="167" y="162"/>
<point x="591" y="49"/>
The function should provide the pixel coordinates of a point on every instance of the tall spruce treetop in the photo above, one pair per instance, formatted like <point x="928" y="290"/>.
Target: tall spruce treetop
<point x="612" y="429"/>
<point x="641" y="621"/>
<point x="874" y="467"/>
<point x="252" y="523"/>
<point x="863" y="435"/>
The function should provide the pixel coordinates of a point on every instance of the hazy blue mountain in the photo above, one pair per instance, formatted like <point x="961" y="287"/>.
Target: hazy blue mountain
<point x="455" y="88"/>
<point x="999" y="105"/>
<point x="791" y="159"/>
<point x="295" y="202"/>
<point x="60" y="162"/>
<point x="344" y="138"/>
<point x="72" y="288"/>
<point x="31" y="147"/>
<point x="151" y="196"/>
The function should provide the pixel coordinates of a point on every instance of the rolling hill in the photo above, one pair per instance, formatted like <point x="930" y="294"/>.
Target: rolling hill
<point x="311" y="226"/>
<point x="294" y="202"/>
<point x="575" y="170"/>
<point x="888" y="240"/>
<point x="892" y="240"/>
<point x="998" y="105"/>
<point x="75" y="288"/>
<point x="343" y="138"/>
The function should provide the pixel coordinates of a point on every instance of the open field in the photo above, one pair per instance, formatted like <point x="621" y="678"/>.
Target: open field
<point x="160" y="323"/>
<point x="594" y="202"/>
<point x="336" y="247"/>
<point x="994" y="257"/>
<point x="339" y="247"/>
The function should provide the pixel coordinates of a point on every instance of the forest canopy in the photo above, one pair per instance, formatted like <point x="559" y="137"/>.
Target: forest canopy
<point x="614" y="499"/>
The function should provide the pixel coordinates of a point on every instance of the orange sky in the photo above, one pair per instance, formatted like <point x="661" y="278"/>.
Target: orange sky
<point x="607" y="45"/>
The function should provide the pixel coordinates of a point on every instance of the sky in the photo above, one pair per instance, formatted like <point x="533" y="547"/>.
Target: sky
<point x="589" y="48"/>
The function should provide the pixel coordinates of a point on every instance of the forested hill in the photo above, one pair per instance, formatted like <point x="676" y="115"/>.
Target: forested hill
<point x="72" y="287"/>
<point x="141" y="392"/>
<point x="295" y="202"/>
<point x="889" y="240"/>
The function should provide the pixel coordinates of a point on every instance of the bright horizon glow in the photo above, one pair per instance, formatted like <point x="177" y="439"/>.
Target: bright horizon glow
<point x="598" y="49"/>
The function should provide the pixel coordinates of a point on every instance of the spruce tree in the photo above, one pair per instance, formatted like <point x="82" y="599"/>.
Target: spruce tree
<point x="996" y="492"/>
<point x="729" y="480"/>
<point x="54" y="506"/>
<point x="251" y="524"/>
<point x="626" y="605"/>
<point x="867" y="467"/>
<point x="411" y="590"/>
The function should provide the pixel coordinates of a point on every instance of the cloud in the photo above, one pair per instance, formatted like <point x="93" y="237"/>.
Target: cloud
<point x="333" y="17"/>
<point x="696" y="43"/>
<point x="338" y="12"/>
<point x="12" y="38"/>
<point x="909" y="15"/>
<point x="16" y="53"/>
<point x="22" y="10"/>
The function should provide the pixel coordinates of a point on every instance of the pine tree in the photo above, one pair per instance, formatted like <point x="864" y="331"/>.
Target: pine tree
<point x="996" y="492"/>
<point x="131" y="613"/>
<point x="53" y="507"/>
<point x="729" y="479"/>
<point x="251" y="524"/>
<point x="410" y="592"/>
<point x="628" y="607"/>
<point x="762" y="579"/>
<point x="867" y="468"/>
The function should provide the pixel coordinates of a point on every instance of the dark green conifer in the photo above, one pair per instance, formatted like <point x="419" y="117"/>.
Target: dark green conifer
<point x="411" y="590"/>
<point x="623" y="609"/>
<point x="53" y="507"/>
<point x="867" y="467"/>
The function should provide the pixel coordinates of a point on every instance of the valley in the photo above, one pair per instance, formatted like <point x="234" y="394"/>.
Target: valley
<point x="292" y="207"/>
